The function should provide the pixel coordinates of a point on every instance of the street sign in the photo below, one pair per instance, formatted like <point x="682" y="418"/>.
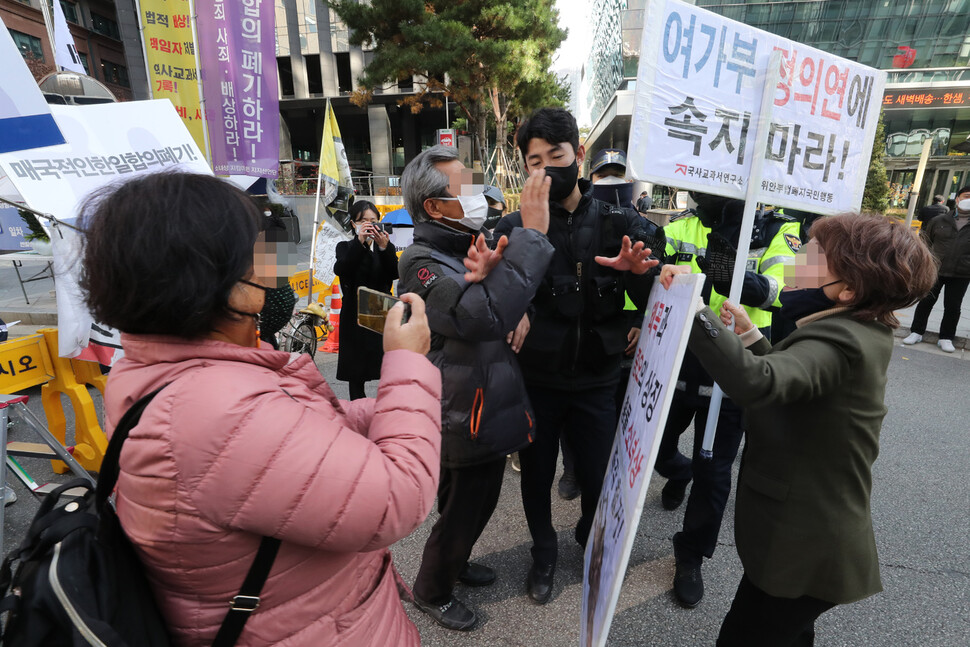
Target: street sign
<point x="446" y="137"/>
<point x="24" y="363"/>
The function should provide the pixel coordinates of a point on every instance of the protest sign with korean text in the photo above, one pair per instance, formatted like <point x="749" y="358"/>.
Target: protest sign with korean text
<point x="106" y="143"/>
<point x="698" y="98"/>
<point x="649" y="391"/>
<point x="25" y="118"/>
<point x="237" y="54"/>
<point x="170" y="53"/>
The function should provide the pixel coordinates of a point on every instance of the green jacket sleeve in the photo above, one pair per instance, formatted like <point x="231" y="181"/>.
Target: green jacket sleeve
<point x="814" y="362"/>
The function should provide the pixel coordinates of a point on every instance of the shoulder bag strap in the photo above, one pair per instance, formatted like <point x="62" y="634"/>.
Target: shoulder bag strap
<point x="248" y="599"/>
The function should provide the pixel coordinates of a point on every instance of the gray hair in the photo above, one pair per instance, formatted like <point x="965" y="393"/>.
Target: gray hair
<point x="421" y="180"/>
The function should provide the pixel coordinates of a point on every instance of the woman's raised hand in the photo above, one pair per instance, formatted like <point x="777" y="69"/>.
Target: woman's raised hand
<point x="413" y="335"/>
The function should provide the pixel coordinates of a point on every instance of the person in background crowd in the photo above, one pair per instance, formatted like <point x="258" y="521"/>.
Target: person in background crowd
<point x="607" y="172"/>
<point x="644" y="203"/>
<point x="931" y="211"/>
<point x="369" y="260"/>
<point x="705" y="243"/>
<point x="813" y="408"/>
<point x="949" y="238"/>
<point x="496" y="206"/>
<point x="276" y="252"/>
<point x="485" y="411"/>
<point x="570" y="350"/>
<point x="244" y="441"/>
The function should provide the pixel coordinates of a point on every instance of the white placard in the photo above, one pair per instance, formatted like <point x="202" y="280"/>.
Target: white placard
<point x="106" y="143"/>
<point x="649" y="392"/>
<point x="328" y="235"/>
<point x="25" y="117"/>
<point x="698" y="99"/>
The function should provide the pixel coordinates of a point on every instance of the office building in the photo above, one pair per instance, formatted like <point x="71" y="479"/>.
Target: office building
<point x="924" y="45"/>
<point x="105" y="35"/>
<point x="316" y="63"/>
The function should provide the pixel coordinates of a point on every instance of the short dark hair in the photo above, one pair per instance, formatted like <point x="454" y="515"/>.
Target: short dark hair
<point x="883" y="261"/>
<point x="359" y="207"/>
<point x="162" y="252"/>
<point x="937" y="198"/>
<point x="555" y="125"/>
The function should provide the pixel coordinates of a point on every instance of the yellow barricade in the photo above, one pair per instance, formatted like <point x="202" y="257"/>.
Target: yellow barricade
<point x="33" y="360"/>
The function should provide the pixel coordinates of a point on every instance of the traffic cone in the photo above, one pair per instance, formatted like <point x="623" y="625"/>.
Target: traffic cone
<point x="333" y="343"/>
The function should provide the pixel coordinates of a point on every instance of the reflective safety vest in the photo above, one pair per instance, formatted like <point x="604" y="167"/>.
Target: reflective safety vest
<point x="687" y="239"/>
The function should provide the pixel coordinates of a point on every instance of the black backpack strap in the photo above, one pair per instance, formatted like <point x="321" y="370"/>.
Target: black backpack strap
<point x="248" y="599"/>
<point x="108" y="475"/>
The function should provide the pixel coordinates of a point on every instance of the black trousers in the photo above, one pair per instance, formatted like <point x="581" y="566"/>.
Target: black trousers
<point x="467" y="497"/>
<point x="586" y="421"/>
<point x="712" y="477"/>
<point x="757" y="619"/>
<point x="954" y="290"/>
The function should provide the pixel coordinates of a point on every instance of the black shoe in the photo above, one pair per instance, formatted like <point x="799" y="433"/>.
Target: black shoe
<point x="672" y="495"/>
<point x="451" y="615"/>
<point x="568" y="486"/>
<point x="539" y="582"/>
<point x="476" y="575"/>
<point x="688" y="585"/>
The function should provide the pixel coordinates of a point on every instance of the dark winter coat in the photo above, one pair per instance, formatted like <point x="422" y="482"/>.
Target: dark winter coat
<point x="361" y="350"/>
<point x="931" y="211"/>
<point x="579" y="330"/>
<point x="485" y="411"/>
<point x="949" y="245"/>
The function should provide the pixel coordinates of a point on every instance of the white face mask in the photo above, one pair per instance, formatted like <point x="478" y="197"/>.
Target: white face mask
<point x="964" y="205"/>
<point x="611" y="179"/>
<point x="475" y="208"/>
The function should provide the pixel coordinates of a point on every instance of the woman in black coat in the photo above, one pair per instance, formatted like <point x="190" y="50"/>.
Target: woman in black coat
<point x="369" y="259"/>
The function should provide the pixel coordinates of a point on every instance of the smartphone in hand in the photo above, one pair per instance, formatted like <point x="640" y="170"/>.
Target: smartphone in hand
<point x="372" y="308"/>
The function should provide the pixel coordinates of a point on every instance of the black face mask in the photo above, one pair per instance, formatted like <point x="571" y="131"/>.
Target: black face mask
<point x="710" y="208"/>
<point x="491" y="220"/>
<point x="796" y="304"/>
<point x="564" y="180"/>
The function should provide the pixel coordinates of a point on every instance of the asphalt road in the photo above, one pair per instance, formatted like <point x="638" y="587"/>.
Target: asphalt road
<point x="921" y="512"/>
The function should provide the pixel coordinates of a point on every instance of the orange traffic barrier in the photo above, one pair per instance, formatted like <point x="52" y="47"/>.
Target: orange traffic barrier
<point x="333" y="342"/>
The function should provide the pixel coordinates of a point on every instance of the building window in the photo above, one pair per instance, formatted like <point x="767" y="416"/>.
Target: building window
<point x="286" y="76"/>
<point x="345" y="81"/>
<point x="29" y="46"/>
<point x="114" y="73"/>
<point x="105" y="26"/>
<point x="84" y="62"/>
<point x="314" y="79"/>
<point x="70" y="12"/>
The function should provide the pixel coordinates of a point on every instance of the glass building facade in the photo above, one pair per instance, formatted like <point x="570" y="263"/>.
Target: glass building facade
<point x="924" y="45"/>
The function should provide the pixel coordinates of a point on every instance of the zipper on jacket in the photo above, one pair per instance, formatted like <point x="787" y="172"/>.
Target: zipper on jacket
<point x="579" y="319"/>
<point x="476" y="416"/>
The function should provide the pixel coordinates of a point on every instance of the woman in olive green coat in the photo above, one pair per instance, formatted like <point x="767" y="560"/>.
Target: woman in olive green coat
<point x="814" y="406"/>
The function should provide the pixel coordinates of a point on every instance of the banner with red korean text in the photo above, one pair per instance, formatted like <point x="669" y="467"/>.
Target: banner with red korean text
<point x="698" y="98"/>
<point x="237" y="56"/>
<point x="170" y="52"/>
<point x="649" y="392"/>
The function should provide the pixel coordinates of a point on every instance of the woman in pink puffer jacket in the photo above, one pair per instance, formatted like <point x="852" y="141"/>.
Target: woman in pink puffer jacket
<point x="245" y="441"/>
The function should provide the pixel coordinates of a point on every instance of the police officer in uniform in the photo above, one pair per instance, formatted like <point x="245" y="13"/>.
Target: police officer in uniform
<point x="775" y="239"/>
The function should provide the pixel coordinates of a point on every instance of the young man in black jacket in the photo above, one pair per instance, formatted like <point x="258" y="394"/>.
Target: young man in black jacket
<point x="570" y="349"/>
<point x="485" y="412"/>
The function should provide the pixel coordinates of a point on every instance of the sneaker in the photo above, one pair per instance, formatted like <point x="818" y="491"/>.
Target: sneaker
<point x="914" y="338"/>
<point x="568" y="486"/>
<point x="946" y="345"/>
<point x="9" y="496"/>
<point x="451" y="615"/>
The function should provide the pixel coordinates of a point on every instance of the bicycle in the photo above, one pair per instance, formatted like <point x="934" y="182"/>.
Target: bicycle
<point x="306" y="330"/>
